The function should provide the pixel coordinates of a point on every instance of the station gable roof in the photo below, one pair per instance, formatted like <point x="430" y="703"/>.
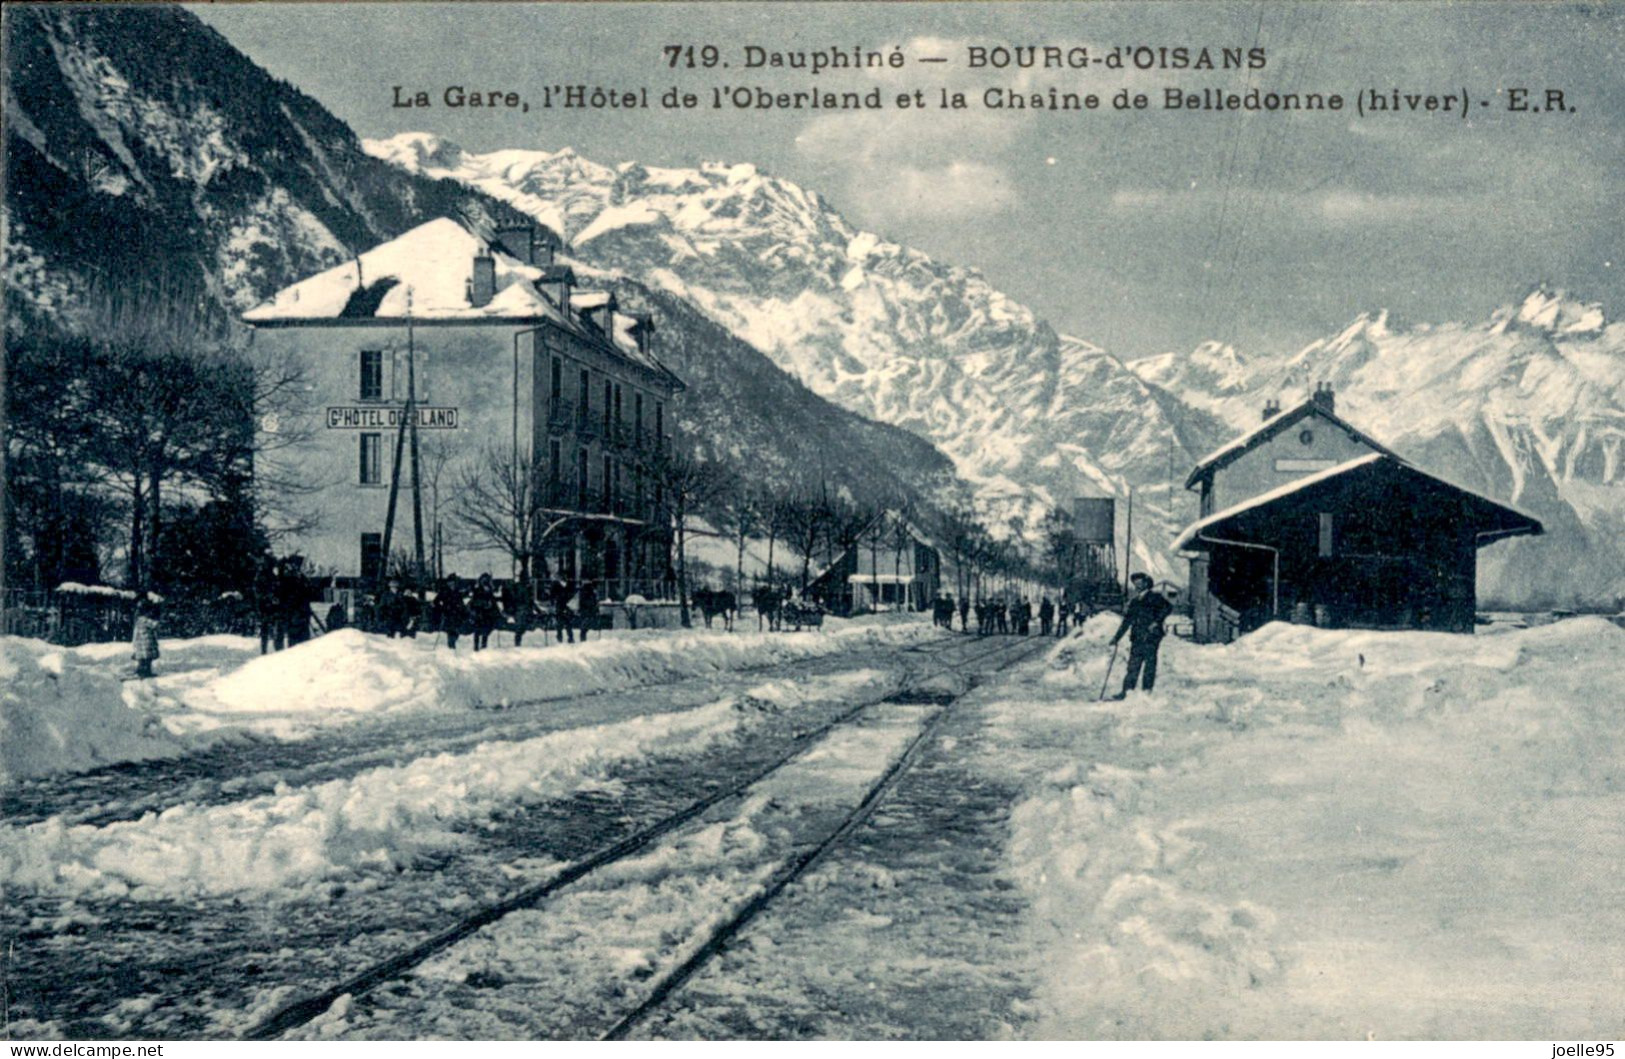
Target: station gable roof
<point x="1233" y="450"/>
<point x="1374" y="472"/>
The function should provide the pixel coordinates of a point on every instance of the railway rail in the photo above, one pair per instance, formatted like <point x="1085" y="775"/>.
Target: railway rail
<point x="264" y="766"/>
<point x="927" y="662"/>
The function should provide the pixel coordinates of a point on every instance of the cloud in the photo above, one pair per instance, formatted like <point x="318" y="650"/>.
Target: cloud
<point x="902" y="164"/>
<point x="1334" y="207"/>
<point x="957" y="190"/>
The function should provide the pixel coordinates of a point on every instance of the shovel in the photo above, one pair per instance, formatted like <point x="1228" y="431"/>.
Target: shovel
<point x="1108" y="678"/>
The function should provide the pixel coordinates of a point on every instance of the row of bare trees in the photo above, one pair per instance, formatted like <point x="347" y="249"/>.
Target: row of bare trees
<point x="147" y="429"/>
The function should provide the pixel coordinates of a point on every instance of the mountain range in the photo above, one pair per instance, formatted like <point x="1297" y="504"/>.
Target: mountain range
<point x="140" y="142"/>
<point x="1524" y="407"/>
<point x="812" y="348"/>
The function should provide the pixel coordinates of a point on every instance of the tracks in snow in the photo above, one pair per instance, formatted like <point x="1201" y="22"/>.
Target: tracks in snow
<point x="935" y="660"/>
<point x="236" y="771"/>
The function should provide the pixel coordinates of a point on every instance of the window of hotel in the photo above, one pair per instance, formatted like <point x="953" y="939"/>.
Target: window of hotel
<point x="555" y="461"/>
<point x="637" y="419"/>
<point x="608" y="485"/>
<point x="372" y="375"/>
<point x="617" y="408"/>
<point x="586" y="398"/>
<point x="660" y="425"/>
<point x="372" y="459"/>
<point x="581" y="480"/>
<point x="609" y="401"/>
<point x="556" y="380"/>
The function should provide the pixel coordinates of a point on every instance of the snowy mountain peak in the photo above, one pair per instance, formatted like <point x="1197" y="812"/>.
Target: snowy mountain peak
<point x="1555" y="313"/>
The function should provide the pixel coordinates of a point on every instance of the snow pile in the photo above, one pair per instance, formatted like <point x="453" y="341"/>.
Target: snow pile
<point x="381" y="819"/>
<point x="1325" y="834"/>
<point x="58" y="715"/>
<point x="349" y="674"/>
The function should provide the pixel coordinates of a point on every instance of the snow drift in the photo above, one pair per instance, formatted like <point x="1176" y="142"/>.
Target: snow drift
<point x="57" y="714"/>
<point x="1317" y="833"/>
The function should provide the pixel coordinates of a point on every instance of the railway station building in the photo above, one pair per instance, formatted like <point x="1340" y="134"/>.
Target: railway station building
<point x="504" y="363"/>
<point x="1307" y="518"/>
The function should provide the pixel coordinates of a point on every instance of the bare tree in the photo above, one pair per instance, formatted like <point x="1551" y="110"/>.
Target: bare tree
<point x="690" y="483"/>
<point x="804" y="518"/>
<point x="498" y="502"/>
<point x="875" y="534"/>
<point x="740" y="516"/>
<point x="167" y="405"/>
<point x="774" y="509"/>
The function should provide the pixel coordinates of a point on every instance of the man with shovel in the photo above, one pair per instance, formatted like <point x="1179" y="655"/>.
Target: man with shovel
<point x="1142" y="620"/>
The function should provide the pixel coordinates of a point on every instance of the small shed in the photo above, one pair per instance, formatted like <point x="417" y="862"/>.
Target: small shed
<point x="1369" y="542"/>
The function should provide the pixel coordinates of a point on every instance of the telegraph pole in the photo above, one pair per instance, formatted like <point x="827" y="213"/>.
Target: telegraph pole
<point x="412" y="416"/>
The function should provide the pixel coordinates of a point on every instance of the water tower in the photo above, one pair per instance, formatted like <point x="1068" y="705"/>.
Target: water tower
<point x="1093" y="573"/>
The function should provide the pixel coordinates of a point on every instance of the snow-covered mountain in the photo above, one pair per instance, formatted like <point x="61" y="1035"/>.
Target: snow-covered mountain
<point x="1030" y="417"/>
<point x="141" y="145"/>
<point x="1527" y="406"/>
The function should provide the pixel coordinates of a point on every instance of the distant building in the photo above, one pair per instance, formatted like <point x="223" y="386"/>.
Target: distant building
<point x="896" y="571"/>
<point x="1307" y="518"/>
<point x="506" y="359"/>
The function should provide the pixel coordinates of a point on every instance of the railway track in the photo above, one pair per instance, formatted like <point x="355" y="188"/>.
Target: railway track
<point x="960" y="660"/>
<point x="262" y="767"/>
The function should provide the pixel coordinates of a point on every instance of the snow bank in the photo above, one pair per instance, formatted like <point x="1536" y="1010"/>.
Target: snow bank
<point x="56" y="714"/>
<point x="1318" y="833"/>
<point x="382" y="819"/>
<point x="348" y="674"/>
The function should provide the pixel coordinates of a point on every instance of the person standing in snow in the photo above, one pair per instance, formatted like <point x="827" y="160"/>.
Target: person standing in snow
<point x="558" y="594"/>
<point x="1142" y="620"/>
<point x="393" y="610"/>
<point x="337" y="617"/>
<point x="964" y="614"/>
<point x="589" y="608"/>
<point x="294" y="599"/>
<point x="482" y="611"/>
<point x="448" y="610"/>
<point x="1046" y="616"/>
<point x="144" y="638"/>
<point x="517" y="604"/>
<point x="272" y="631"/>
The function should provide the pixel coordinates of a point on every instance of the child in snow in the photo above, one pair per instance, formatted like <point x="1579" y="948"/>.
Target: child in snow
<point x="144" y="639"/>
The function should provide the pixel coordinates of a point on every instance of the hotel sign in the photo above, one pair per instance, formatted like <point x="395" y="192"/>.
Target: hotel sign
<point x="386" y="417"/>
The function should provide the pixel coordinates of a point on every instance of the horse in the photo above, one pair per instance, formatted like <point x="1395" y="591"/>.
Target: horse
<point x="712" y="603"/>
<point x="769" y="604"/>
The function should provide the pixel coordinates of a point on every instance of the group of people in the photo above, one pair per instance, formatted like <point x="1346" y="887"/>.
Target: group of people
<point x="1144" y="616"/>
<point x="1005" y="618"/>
<point x="484" y="608"/>
<point x="283" y="593"/>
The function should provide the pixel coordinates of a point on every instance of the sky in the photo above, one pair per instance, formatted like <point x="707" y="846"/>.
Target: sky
<point x="1142" y="231"/>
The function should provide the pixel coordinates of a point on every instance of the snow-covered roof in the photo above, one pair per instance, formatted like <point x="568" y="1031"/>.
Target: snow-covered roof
<point x="424" y="273"/>
<point x="1233" y="449"/>
<point x="1297" y="485"/>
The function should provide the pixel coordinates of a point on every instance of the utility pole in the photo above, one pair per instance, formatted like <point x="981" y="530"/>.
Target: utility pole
<point x="412" y="416"/>
<point x="1128" y="543"/>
